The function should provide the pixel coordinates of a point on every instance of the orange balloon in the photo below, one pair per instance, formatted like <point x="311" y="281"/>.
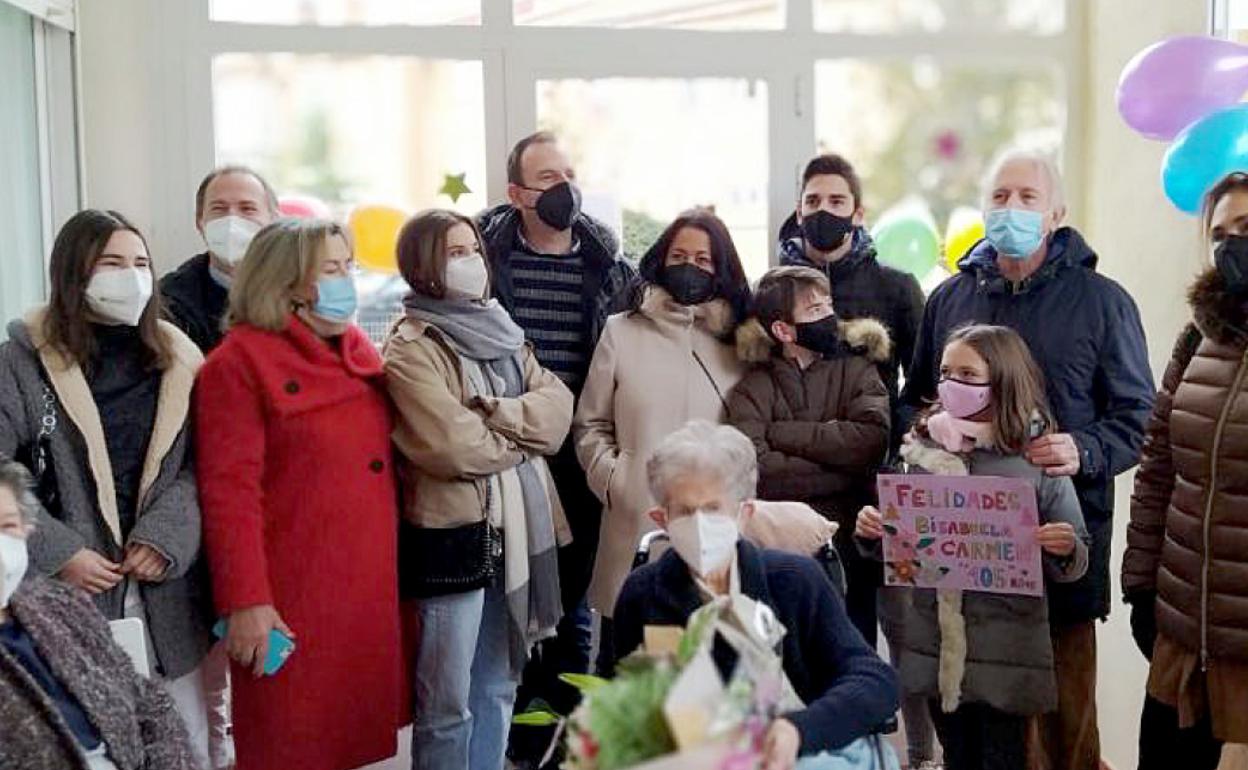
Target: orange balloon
<point x="376" y="233"/>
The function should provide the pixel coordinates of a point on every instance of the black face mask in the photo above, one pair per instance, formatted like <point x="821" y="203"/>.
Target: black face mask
<point x="558" y="206"/>
<point x="825" y="230"/>
<point x="822" y="336"/>
<point x="1231" y="258"/>
<point x="688" y="284"/>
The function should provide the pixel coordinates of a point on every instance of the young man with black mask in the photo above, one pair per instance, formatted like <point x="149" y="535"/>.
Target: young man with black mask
<point x="826" y="232"/>
<point x="559" y="273"/>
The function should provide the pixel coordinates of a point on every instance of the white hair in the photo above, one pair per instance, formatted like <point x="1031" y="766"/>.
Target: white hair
<point x="15" y="478"/>
<point x="1045" y="160"/>
<point x="704" y="447"/>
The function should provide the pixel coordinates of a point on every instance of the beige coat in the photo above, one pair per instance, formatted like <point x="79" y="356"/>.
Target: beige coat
<point x="644" y="382"/>
<point x="450" y="443"/>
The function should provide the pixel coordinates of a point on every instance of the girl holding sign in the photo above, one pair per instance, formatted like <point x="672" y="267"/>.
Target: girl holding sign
<point x="984" y="660"/>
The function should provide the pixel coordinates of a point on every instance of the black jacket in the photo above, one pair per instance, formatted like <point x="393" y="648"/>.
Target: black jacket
<point x="1085" y="333"/>
<point x="195" y="303"/>
<point x="864" y="288"/>
<point x="607" y="276"/>
<point x="849" y="692"/>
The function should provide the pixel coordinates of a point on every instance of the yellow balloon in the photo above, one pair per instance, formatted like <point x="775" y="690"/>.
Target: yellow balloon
<point x="376" y="233"/>
<point x="966" y="228"/>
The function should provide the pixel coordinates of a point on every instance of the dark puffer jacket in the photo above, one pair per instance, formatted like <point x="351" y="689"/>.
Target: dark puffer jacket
<point x="1085" y="333"/>
<point x="1188" y="537"/>
<point x="862" y="287"/>
<point x="820" y="433"/>
<point x="134" y="716"/>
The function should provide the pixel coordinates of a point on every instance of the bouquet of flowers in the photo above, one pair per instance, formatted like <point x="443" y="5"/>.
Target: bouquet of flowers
<point x="669" y="707"/>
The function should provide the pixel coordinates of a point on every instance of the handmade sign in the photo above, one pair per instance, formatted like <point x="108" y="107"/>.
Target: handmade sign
<point x="974" y="533"/>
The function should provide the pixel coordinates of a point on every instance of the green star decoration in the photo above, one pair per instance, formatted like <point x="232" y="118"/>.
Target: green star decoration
<point x="453" y="187"/>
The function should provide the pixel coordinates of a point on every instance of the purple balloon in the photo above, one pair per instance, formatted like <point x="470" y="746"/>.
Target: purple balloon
<point x="1172" y="84"/>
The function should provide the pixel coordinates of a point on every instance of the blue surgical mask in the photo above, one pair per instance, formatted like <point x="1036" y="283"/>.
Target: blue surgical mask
<point x="335" y="298"/>
<point x="1014" y="233"/>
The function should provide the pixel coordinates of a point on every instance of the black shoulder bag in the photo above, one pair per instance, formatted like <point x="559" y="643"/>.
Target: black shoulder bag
<point x="37" y="456"/>
<point x="438" y="562"/>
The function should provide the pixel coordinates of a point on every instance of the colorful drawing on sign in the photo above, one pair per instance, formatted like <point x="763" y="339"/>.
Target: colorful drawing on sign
<point x="974" y="533"/>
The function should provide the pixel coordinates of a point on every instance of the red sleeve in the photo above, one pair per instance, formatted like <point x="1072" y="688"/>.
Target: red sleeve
<point x="230" y="428"/>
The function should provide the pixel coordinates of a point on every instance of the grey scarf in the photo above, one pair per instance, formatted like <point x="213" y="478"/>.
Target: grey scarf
<point x="483" y="332"/>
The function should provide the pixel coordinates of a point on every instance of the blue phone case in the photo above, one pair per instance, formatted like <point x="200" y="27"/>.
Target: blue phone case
<point x="281" y="647"/>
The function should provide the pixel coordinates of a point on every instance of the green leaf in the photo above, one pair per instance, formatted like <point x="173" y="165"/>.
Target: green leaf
<point x="695" y="630"/>
<point x="890" y="529"/>
<point x="537" y="719"/>
<point x="584" y="682"/>
<point x="925" y="542"/>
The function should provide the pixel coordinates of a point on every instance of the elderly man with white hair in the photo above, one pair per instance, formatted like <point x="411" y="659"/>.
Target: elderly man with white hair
<point x="703" y="477"/>
<point x="1038" y="276"/>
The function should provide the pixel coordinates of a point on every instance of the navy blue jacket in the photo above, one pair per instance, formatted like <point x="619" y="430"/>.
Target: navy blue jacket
<point x="848" y="690"/>
<point x="1085" y="333"/>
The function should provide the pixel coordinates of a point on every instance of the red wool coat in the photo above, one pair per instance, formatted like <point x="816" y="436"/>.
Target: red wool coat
<point x="300" y="512"/>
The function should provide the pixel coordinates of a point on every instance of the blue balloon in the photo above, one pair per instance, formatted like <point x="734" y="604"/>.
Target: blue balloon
<point x="1203" y="153"/>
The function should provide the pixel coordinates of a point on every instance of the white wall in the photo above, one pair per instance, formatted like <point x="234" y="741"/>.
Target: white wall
<point x="133" y="68"/>
<point x="1151" y="248"/>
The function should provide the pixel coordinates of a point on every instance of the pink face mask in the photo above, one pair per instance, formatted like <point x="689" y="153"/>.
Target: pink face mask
<point x="963" y="399"/>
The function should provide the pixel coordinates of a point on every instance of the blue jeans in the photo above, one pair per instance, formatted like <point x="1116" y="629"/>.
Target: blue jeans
<point x="464" y="689"/>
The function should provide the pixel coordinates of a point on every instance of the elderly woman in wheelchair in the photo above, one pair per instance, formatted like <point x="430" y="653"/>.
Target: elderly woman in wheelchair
<point x="703" y="477"/>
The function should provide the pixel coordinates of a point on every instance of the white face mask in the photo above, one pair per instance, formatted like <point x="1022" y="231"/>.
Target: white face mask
<point x="466" y="277"/>
<point x="119" y="297"/>
<point x="229" y="237"/>
<point x="706" y="541"/>
<point x="14" y="560"/>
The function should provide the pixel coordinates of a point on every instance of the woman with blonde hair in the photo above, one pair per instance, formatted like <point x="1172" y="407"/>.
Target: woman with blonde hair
<point x="300" y="514"/>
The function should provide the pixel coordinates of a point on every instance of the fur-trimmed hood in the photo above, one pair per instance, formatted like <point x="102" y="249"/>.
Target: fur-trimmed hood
<point x="860" y="336"/>
<point x="715" y="316"/>
<point x="1219" y="315"/>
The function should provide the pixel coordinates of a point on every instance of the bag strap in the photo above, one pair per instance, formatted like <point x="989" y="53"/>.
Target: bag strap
<point x="47" y="422"/>
<point x="714" y="384"/>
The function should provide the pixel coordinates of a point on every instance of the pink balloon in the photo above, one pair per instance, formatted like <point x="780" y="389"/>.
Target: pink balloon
<point x="302" y="207"/>
<point x="1174" y="83"/>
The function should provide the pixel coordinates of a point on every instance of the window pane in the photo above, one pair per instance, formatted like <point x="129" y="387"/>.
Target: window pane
<point x="1237" y="20"/>
<point x="21" y="248"/>
<point x="353" y="130"/>
<point x="346" y="12"/>
<point x="678" y="14"/>
<point x="698" y="142"/>
<point x="917" y="129"/>
<point x="875" y="16"/>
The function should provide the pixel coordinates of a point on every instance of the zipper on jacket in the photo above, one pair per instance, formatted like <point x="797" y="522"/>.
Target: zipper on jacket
<point x="1205" y="526"/>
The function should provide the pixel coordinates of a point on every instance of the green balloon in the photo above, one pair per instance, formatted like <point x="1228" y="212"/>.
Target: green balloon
<point x="908" y="244"/>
